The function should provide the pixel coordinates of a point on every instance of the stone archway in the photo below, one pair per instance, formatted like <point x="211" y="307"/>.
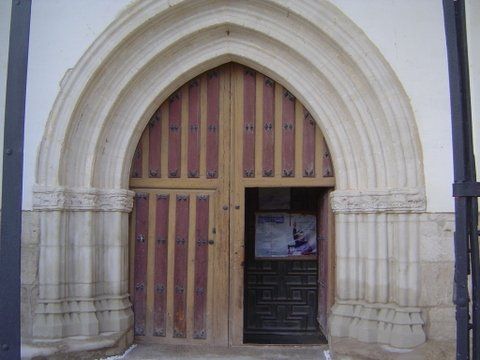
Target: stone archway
<point x="150" y="50"/>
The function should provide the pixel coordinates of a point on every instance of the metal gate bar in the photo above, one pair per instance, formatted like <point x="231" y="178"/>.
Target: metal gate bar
<point x="11" y="218"/>
<point x="465" y="188"/>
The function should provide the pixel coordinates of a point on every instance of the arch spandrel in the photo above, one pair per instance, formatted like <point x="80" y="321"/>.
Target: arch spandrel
<point x="310" y="48"/>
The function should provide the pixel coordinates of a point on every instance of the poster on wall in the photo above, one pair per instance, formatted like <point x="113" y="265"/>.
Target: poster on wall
<point x="279" y="234"/>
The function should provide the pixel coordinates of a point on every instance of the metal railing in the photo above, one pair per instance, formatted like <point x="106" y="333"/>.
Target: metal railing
<point x="12" y="181"/>
<point x="466" y="189"/>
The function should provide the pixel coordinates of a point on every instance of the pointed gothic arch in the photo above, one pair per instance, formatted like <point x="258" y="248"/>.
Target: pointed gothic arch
<point x="151" y="49"/>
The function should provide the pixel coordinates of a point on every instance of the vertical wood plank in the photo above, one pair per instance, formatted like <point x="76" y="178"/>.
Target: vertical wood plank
<point x="161" y="265"/>
<point x="180" y="266"/>
<point x="193" y="170"/>
<point x="259" y="83"/>
<point x="131" y="243"/>
<point x="268" y="128"/>
<point x="298" y="148"/>
<point x="327" y="163"/>
<point x="174" y="135"/>
<point x="278" y="130"/>
<point x="309" y="127"/>
<point x="145" y="145"/>
<point x="140" y="262"/>
<point x="191" y="265"/>
<point x="172" y="214"/>
<point x="150" y="263"/>
<point x="288" y="134"/>
<point x="323" y="260"/>
<point x="137" y="162"/>
<point x="213" y="97"/>
<point x="164" y="114"/>
<point x="234" y="219"/>
<point x="184" y="132"/>
<point x="319" y="148"/>
<point x="219" y="221"/>
<point x="154" y="144"/>
<point x="249" y="98"/>
<point x="201" y="267"/>
<point x="203" y="125"/>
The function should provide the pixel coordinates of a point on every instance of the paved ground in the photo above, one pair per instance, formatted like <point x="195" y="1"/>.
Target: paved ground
<point x="150" y="352"/>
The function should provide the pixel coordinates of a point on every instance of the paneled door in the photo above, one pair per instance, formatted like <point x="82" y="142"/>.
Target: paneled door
<point x="224" y="131"/>
<point x="179" y="231"/>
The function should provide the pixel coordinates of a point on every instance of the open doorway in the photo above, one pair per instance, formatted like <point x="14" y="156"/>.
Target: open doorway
<point x="228" y="130"/>
<point x="284" y="265"/>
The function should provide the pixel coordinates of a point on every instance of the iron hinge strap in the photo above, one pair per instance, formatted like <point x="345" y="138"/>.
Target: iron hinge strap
<point x="466" y="189"/>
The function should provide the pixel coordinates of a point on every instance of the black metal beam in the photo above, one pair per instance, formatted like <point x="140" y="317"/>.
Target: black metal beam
<point x="468" y="188"/>
<point x="465" y="187"/>
<point x="12" y="181"/>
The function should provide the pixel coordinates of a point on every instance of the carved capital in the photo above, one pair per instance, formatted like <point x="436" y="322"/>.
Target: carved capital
<point x="82" y="199"/>
<point x="375" y="201"/>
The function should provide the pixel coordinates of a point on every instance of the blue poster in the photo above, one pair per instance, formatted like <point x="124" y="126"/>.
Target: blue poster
<point x="285" y="234"/>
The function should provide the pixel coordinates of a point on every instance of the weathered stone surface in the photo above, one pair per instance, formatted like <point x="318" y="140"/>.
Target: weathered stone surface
<point x="378" y="323"/>
<point x="441" y="323"/>
<point x="29" y="264"/>
<point x="96" y="347"/>
<point x="30" y="228"/>
<point x="348" y="349"/>
<point x="436" y="237"/>
<point x="29" y="271"/>
<point x="257" y="352"/>
<point x="392" y="200"/>
<point x="436" y="283"/>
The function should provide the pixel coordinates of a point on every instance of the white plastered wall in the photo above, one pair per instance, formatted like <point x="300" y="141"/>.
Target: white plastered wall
<point x="60" y="32"/>
<point x="416" y="53"/>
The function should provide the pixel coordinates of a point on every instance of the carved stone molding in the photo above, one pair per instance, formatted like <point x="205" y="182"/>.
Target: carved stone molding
<point x="82" y="199"/>
<point x="375" y="201"/>
<point x="389" y="324"/>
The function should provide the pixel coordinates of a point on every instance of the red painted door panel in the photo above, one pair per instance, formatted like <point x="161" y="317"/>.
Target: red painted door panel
<point x="201" y="268"/>
<point x="140" y="280"/>
<point x="180" y="267"/>
<point x="161" y="265"/>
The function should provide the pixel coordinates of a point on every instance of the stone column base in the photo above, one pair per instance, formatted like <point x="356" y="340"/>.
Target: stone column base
<point x="87" y="317"/>
<point x="388" y="324"/>
<point x="88" y="347"/>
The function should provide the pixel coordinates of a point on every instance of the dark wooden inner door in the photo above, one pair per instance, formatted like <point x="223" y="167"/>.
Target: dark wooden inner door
<point x="281" y="295"/>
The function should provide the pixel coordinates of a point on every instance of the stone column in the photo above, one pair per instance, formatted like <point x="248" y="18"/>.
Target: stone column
<point x="112" y="303"/>
<point x="83" y="234"/>
<point x="51" y="276"/>
<point x="377" y="242"/>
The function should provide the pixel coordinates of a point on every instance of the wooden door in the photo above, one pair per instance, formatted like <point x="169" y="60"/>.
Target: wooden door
<point x="275" y="143"/>
<point x="179" y="228"/>
<point x="226" y="130"/>
<point x="281" y="293"/>
<point x="323" y="217"/>
<point x="174" y="232"/>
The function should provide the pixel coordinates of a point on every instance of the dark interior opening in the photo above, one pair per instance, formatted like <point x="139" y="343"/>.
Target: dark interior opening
<point x="281" y="266"/>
